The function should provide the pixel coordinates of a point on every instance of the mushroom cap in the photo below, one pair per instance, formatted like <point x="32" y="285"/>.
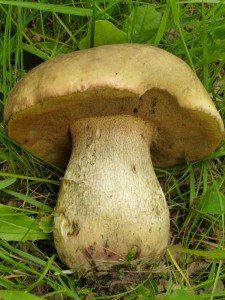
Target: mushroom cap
<point x="124" y="79"/>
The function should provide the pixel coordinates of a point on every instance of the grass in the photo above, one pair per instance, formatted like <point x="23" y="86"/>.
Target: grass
<point x="32" y="32"/>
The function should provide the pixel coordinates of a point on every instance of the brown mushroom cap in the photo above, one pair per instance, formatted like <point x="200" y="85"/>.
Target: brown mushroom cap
<point x="125" y="79"/>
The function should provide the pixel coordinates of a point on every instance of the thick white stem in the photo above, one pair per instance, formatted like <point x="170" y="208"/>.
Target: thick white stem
<point x="110" y="203"/>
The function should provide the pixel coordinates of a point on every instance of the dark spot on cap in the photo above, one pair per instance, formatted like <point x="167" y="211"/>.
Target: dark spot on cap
<point x="135" y="110"/>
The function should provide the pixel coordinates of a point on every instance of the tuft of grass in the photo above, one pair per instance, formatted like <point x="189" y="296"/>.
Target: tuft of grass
<point x="32" y="32"/>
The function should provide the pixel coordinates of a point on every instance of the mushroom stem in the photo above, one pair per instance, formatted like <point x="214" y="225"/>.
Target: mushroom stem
<point x="110" y="203"/>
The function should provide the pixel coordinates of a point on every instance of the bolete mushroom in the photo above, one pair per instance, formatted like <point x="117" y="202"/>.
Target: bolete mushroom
<point x="110" y="114"/>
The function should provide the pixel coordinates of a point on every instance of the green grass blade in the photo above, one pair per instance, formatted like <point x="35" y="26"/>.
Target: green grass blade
<point x="76" y="11"/>
<point x="17" y="295"/>
<point x="28" y="200"/>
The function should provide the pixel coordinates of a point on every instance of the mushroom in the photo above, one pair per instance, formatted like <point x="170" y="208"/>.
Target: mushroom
<point x="110" y="114"/>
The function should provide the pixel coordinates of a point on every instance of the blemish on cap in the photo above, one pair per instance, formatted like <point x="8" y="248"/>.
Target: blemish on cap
<point x="98" y="133"/>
